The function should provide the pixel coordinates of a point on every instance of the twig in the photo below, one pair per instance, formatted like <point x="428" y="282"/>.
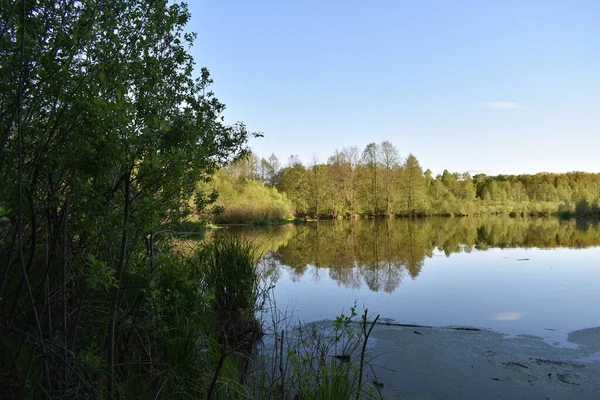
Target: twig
<point x="455" y="328"/>
<point x="364" y="347"/>
<point x="281" y="370"/>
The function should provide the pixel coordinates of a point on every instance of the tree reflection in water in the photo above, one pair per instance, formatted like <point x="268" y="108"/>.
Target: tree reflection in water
<point x="384" y="252"/>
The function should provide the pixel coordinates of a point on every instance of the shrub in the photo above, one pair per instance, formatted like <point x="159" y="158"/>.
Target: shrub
<point x="247" y="201"/>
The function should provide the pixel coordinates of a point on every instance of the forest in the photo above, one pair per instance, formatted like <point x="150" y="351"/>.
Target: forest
<point x="377" y="182"/>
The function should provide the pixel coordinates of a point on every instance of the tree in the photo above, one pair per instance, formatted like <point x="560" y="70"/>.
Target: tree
<point x="413" y="185"/>
<point x="352" y="155"/>
<point x="316" y="179"/>
<point x="104" y="132"/>
<point x="468" y="191"/>
<point x="370" y="161"/>
<point x="518" y="192"/>
<point x="340" y="171"/>
<point x="294" y="182"/>
<point x="246" y="167"/>
<point x="270" y="170"/>
<point x="388" y="158"/>
<point x="294" y="160"/>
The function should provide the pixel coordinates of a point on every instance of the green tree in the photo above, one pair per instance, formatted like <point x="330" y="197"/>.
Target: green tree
<point x="413" y="185"/>
<point x="519" y="194"/>
<point x="294" y="182"/>
<point x="340" y="171"/>
<point x="318" y="187"/>
<point x="389" y="160"/>
<point x="352" y="156"/>
<point x="104" y="132"/>
<point x="370" y="161"/>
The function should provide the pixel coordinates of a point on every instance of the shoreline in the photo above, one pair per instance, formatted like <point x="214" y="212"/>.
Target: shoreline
<point x="447" y="363"/>
<point x="301" y="221"/>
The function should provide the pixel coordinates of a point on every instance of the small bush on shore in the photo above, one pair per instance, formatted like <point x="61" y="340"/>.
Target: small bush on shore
<point x="245" y="201"/>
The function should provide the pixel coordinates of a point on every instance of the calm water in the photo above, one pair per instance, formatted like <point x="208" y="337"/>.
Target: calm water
<point x="513" y="275"/>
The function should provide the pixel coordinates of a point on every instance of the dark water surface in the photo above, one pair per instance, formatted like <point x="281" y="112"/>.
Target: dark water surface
<point x="537" y="276"/>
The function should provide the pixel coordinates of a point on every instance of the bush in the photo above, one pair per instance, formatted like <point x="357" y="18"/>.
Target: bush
<point x="247" y="201"/>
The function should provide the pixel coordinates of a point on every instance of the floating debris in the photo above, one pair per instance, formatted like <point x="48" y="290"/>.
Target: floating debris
<point x="516" y="364"/>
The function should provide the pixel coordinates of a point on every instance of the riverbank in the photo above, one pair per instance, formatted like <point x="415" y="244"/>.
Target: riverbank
<point x="438" y="363"/>
<point x="197" y="225"/>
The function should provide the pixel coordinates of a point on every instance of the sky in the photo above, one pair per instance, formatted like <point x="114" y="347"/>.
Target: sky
<point x="496" y="87"/>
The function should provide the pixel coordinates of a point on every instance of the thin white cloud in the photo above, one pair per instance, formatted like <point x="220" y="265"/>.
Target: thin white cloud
<point x="501" y="105"/>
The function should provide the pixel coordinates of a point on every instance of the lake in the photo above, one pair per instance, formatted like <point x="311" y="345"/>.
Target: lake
<point x="535" y="276"/>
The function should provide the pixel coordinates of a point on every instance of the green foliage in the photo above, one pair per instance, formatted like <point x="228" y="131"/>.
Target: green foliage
<point x="294" y="183"/>
<point x="231" y="274"/>
<point x="242" y="200"/>
<point x="228" y="265"/>
<point x="100" y="276"/>
<point x="104" y="133"/>
<point x="380" y="184"/>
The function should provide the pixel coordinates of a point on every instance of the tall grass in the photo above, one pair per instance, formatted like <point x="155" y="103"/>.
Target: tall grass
<point x="234" y="293"/>
<point x="306" y="362"/>
<point x="232" y="276"/>
<point x="326" y="360"/>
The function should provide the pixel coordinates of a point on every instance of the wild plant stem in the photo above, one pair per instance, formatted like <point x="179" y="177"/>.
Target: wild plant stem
<point x="366" y="335"/>
<point x="215" y="377"/>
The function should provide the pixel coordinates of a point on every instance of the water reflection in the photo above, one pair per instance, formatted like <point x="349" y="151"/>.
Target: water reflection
<point x="507" y="316"/>
<point x="381" y="253"/>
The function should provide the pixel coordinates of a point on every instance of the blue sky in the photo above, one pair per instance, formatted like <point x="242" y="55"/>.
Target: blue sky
<point x="479" y="86"/>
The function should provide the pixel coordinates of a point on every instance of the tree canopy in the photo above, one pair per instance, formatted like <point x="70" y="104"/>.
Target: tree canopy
<point x="106" y="126"/>
<point x="380" y="182"/>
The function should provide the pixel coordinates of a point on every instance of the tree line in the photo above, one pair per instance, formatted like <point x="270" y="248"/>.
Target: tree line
<point x="377" y="181"/>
